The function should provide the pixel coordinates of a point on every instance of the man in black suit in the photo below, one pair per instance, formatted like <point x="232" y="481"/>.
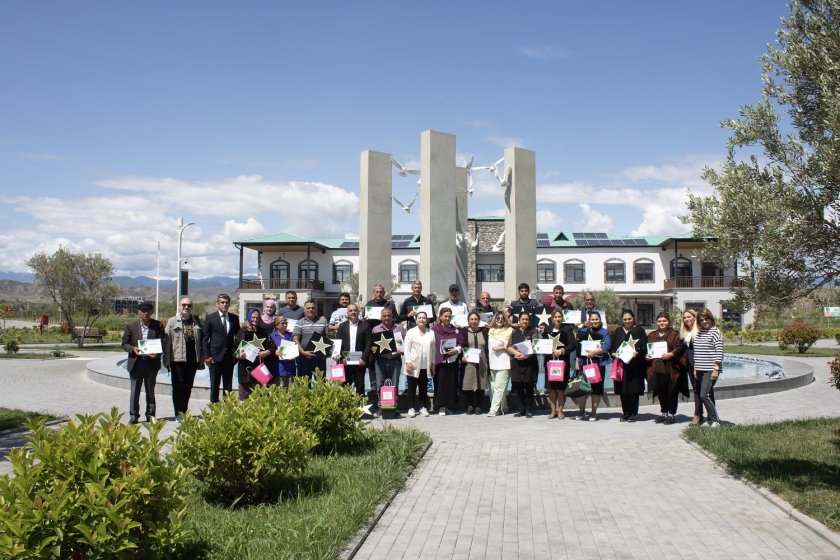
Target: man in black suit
<point x="218" y="341"/>
<point x="142" y="365"/>
<point x="355" y="337"/>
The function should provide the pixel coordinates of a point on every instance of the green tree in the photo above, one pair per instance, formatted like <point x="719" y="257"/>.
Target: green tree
<point x="79" y="284"/>
<point x="776" y="205"/>
<point x="605" y="299"/>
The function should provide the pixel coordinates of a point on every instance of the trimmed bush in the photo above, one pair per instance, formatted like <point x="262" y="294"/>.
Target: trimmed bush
<point x="242" y="450"/>
<point x="329" y="409"/>
<point x="800" y="335"/>
<point x="834" y="371"/>
<point x="11" y="341"/>
<point x="97" y="488"/>
<point x="759" y="335"/>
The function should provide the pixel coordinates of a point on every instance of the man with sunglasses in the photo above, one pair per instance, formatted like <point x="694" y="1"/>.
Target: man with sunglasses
<point x="183" y="355"/>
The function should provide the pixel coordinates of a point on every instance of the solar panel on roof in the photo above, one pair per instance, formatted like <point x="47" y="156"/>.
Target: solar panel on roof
<point x="543" y="243"/>
<point x="349" y="245"/>
<point x="542" y="236"/>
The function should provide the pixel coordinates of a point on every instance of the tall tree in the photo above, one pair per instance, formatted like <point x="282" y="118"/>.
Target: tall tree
<point x="776" y="205"/>
<point x="79" y="284"/>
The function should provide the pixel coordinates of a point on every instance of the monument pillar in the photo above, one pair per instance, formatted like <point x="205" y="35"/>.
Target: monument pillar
<point x="520" y="221"/>
<point x="438" y="217"/>
<point x="463" y="236"/>
<point x="375" y="187"/>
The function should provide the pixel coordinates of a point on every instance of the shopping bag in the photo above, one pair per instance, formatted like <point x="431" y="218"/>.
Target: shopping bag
<point x="617" y="370"/>
<point x="387" y="394"/>
<point x="579" y="386"/>
<point x="556" y="370"/>
<point x="261" y="374"/>
<point x="592" y="373"/>
<point x="337" y="372"/>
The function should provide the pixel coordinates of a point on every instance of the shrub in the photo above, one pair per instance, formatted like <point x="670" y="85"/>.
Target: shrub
<point x="96" y="488"/>
<point x="11" y="341"/>
<point x="799" y="335"/>
<point x="837" y="337"/>
<point x="329" y="409"/>
<point x="834" y="371"/>
<point x="243" y="450"/>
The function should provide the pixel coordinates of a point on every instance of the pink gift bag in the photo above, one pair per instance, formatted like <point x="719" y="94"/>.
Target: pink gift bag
<point x="388" y="394"/>
<point x="556" y="370"/>
<point x="261" y="374"/>
<point x="617" y="370"/>
<point x="337" y="372"/>
<point x="592" y="373"/>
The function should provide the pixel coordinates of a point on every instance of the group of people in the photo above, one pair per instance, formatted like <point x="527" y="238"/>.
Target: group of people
<point x="488" y="349"/>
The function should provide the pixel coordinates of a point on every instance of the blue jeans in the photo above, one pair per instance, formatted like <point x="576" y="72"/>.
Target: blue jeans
<point x="387" y="369"/>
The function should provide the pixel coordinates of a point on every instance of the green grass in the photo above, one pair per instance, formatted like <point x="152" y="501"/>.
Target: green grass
<point x="317" y="515"/>
<point x="776" y="351"/>
<point x="33" y="356"/>
<point x="798" y="460"/>
<point x="11" y="418"/>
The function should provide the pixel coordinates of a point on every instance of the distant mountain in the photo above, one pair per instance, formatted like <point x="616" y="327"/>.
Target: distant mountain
<point x="16" y="276"/>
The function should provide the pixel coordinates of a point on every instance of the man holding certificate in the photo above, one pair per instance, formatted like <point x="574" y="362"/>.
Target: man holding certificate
<point x="355" y="340"/>
<point x="143" y="340"/>
<point x="414" y="304"/>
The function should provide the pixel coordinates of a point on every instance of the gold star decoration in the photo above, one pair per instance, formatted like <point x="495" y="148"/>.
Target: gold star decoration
<point x="544" y="317"/>
<point x="555" y="342"/>
<point x="631" y="342"/>
<point x="258" y="342"/>
<point x="384" y="344"/>
<point x="320" y="346"/>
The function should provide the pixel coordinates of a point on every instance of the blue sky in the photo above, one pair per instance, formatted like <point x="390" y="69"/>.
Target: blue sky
<point x="248" y="117"/>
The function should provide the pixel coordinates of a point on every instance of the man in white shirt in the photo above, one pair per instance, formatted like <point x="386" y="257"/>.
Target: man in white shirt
<point x="459" y="307"/>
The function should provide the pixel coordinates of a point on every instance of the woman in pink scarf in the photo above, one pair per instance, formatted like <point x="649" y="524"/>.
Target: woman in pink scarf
<point x="448" y="343"/>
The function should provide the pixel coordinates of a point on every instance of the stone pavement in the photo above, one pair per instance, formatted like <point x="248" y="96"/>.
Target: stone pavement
<point x="521" y="488"/>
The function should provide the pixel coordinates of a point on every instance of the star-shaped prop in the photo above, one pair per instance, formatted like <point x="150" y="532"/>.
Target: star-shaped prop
<point x="384" y="344"/>
<point x="631" y="342"/>
<point x="366" y="410"/>
<point x="555" y="343"/>
<point x="320" y="346"/>
<point x="544" y="317"/>
<point x="258" y="342"/>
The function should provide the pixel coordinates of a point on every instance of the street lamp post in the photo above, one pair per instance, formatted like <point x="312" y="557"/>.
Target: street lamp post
<point x="181" y="227"/>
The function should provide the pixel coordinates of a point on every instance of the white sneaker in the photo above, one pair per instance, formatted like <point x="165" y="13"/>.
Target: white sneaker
<point x="424" y="412"/>
<point x="714" y="425"/>
<point x="411" y="413"/>
<point x="492" y="413"/>
<point x="442" y="411"/>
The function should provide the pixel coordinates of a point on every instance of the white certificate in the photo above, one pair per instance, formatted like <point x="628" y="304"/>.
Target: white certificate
<point x="657" y="349"/>
<point x="473" y="355"/>
<point x="525" y="347"/>
<point x="625" y="352"/>
<point x="290" y="324"/>
<point x="543" y="346"/>
<point x="149" y="346"/>
<point x="353" y="358"/>
<point x="336" y="349"/>
<point x="460" y="319"/>
<point x="288" y="350"/>
<point x="373" y="313"/>
<point x="571" y="316"/>
<point x="249" y="350"/>
<point x="587" y="346"/>
<point x="427" y="309"/>
<point x="398" y="340"/>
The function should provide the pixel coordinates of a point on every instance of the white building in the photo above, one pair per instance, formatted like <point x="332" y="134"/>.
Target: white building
<point x="648" y="274"/>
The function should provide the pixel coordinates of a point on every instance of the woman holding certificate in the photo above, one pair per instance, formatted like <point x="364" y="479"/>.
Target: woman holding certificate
<point x="419" y="352"/>
<point x="629" y="346"/>
<point x="448" y="343"/>
<point x="475" y="361"/>
<point x="523" y="367"/>
<point x="498" y="336"/>
<point x="260" y="348"/>
<point x="665" y="374"/>
<point x="284" y="369"/>
<point x="593" y="348"/>
<point x="562" y="345"/>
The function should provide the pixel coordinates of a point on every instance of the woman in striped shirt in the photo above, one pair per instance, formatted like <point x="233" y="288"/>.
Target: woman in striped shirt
<point x="708" y="355"/>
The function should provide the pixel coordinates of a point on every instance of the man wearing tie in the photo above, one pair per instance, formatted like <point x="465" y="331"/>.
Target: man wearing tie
<point x="355" y="337"/>
<point x="220" y="329"/>
<point x="143" y="364"/>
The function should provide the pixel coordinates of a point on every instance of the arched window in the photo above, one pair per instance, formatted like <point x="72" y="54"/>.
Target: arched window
<point x="308" y="269"/>
<point x="409" y="272"/>
<point x="342" y="271"/>
<point x="574" y="272"/>
<point x="681" y="267"/>
<point x="546" y="271"/>
<point x="614" y="272"/>
<point x="279" y="270"/>
<point x="643" y="271"/>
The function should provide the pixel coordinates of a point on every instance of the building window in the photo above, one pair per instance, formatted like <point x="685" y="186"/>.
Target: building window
<point x="308" y="269"/>
<point x="695" y="305"/>
<point x="574" y="272"/>
<point x="408" y="272"/>
<point x="645" y="314"/>
<point x="341" y="272"/>
<point x="642" y="271"/>
<point x="490" y="272"/>
<point x="681" y="267"/>
<point x="279" y="270"/>
<point x="545" y="272"/>
<point x="614" y="272"/>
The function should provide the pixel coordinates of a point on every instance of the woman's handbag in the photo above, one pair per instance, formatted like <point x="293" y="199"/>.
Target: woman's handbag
<point x="579" y="386"/>
<point x="592" y="372"/>
<point x="556" y="370"/>
<point x="388" y="395"/>
<point x="617" y="370"/>
<point x="261" y="374"/>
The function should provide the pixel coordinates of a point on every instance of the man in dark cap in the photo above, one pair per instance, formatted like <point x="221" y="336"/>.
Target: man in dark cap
<point x="457" y="305"/>
<point x="143" y="339"/>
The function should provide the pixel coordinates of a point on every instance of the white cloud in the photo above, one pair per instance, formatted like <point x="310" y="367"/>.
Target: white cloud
<point x="547" y="220"/>
<point x="592" y="220"/>
<point x="543" y="52"/>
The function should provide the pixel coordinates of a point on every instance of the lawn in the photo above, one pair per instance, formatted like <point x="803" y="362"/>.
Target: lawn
<point x="776" y="351"/>
<point x="319" y="514"/>
<point x="798" y="460"/>
<point x="33" y="356"/>
<point x="11" y="418"/>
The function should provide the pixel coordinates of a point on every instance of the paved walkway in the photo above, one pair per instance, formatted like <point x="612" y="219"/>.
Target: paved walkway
<point x="510" y="487"/>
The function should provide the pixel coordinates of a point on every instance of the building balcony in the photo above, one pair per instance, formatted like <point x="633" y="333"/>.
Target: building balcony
<point x="704" y="282"/>
<point x="275" y="284"/>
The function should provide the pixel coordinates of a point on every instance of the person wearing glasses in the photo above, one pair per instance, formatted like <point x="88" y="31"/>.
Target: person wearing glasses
<point x="498" y="336"/>
<point x="183" y="355"/>
<point x="708" y="357"/>
<point x="142" y="365"/>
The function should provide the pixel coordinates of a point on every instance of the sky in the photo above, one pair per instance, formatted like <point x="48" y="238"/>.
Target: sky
<point x="248" y="118"/>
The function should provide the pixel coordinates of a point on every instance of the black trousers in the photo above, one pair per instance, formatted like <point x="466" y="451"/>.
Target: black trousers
<point x="143" y="377"/>
<point x="630" y="404"/>
<point x="355" y="375"/>
<point x="525" y="392"/>
<point x="221" y="372"/>
<point x="415" y="383"/>
<point x="183" y="377"/>
<point x="668" y="397"/>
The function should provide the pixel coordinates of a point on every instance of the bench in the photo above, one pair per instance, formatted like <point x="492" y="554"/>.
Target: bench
<point x="90" y="332"/>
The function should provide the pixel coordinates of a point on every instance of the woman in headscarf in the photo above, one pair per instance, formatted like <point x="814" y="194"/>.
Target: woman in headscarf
<point x="268" y="313"/>
<point x="253" y="332"/>
<point x="448" y="343"/>
<point x="475" y="373"/>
